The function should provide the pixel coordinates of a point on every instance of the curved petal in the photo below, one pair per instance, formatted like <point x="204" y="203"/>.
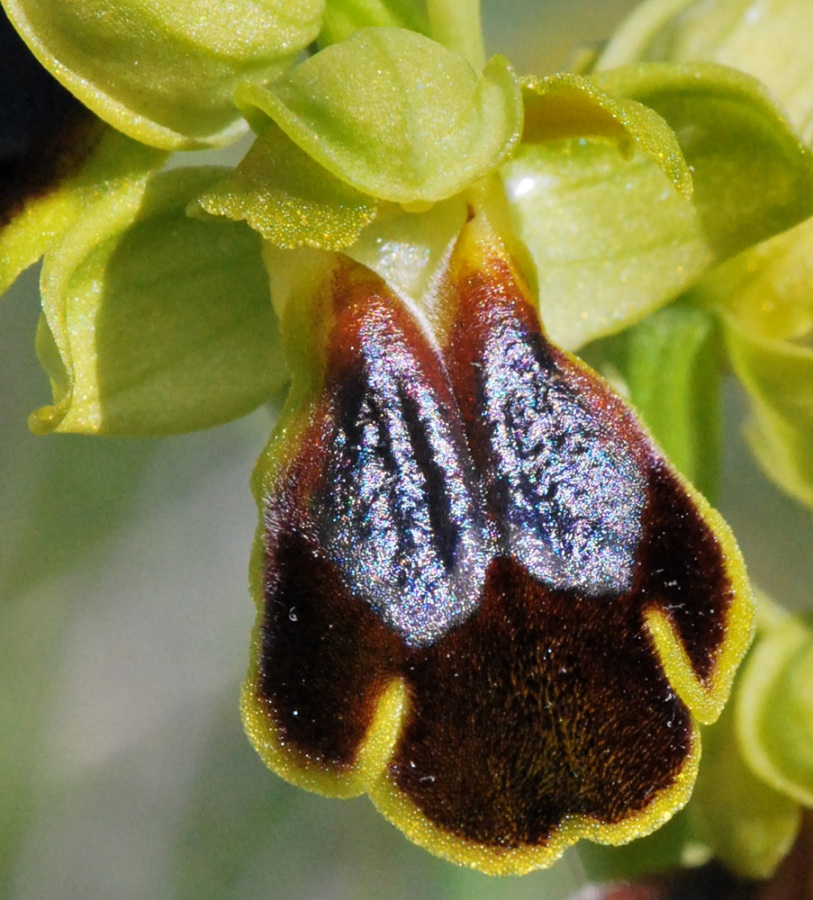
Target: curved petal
<point x="474" y="569"/>
<point x="289" y="198"/>
<point x="166" y="71"/>
<point x="611" y="237"/>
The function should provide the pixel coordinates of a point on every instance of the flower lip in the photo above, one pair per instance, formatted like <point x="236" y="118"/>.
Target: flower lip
<point x="548" y="701"/>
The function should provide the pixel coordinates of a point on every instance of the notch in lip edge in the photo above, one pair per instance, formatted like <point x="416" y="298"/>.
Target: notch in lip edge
<point x="407" y="816"/>
<point x="294" y="765"/>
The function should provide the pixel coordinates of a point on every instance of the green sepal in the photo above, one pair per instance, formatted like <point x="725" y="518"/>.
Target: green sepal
<point x="613" y="240"/>
<point x="766" y="305"/>
<point x="155" y="323"/>
<point x="165" y="73"/>
<point x="394" y="114"/>
<point x="572" y="106"/>
<point x="290" y="199"/>
<point x="343" y="17"/>
<point x="113" y="163"/>
<point x="671" y="367"/>
<point x="774" y="709"/>
<point x="753" y="176"/>
<point x="770" y="41"/>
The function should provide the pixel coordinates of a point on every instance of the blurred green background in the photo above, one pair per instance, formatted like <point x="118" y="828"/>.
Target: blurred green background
<point x="124" y="624"/>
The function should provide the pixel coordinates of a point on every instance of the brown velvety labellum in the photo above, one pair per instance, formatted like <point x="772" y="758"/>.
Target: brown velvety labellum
<point x="485" y="520"/>
<point x="45" y="133"/>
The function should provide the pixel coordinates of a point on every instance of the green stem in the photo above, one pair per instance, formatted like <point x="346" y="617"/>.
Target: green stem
<point x="456" y="25"/>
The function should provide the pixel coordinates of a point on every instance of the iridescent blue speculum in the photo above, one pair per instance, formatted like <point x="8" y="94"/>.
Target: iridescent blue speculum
<point x="469" y="519"/>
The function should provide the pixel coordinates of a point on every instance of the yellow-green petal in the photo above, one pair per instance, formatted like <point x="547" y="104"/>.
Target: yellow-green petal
<point x="611" y="238"/>
<point x="289" y="198"/>
<point x="165" y="72"/>
<point x="753" y="176"/>
<point x="395" y="114"/>
<point x="568" y="106"/>
<point x="778" y="376"/>
<point x="155" y="323"/>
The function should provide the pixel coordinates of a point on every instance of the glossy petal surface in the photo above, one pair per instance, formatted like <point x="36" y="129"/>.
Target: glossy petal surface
<point x="483" y="597"/>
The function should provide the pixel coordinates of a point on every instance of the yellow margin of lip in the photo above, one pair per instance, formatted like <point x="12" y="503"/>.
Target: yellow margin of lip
<point x="297" y="768"/>
<point x="706" y="701"/>
<point x="494" y="860"/>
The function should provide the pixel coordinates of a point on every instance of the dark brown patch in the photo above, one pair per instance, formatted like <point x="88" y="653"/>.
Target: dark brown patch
<point x="46" y="134"/>
<point x="326" y="657"/>
<point x="544" y="705"/>
<point x="683" y="570"/>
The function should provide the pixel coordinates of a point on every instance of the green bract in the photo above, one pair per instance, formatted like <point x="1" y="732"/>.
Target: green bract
<point x="611" y="236"/>
<point x="670" y="364"/>
<point x="394" y="114"/>
<point x="770" y="40"/>
<point x="164" y="71"/>
<point x="153" y="322"/>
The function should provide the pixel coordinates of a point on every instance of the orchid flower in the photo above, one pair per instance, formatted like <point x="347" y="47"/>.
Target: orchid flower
<point x="487" y="594"/>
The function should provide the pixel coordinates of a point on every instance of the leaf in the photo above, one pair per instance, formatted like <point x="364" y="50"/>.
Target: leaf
<point x="289" y="198"/>
<point x="155" y="323"/>
<point x="394" y="114"/>
<point x="768" y="40"/>
<point x="168" y="70"/>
